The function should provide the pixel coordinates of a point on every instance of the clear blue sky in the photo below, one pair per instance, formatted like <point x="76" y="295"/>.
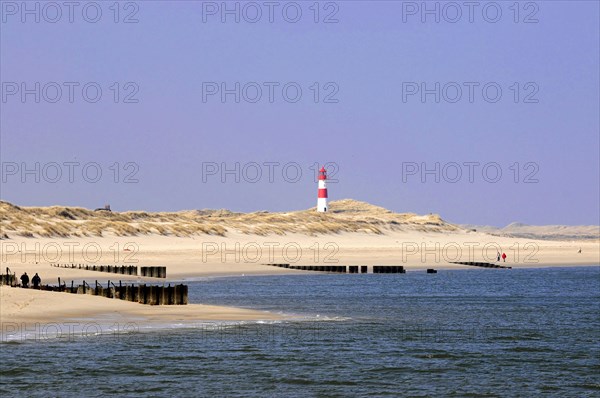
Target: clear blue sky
<point x="371" y="57"/>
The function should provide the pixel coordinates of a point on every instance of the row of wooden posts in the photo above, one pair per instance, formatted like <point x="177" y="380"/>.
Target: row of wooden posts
<point x="388" y="269"/>
<point x="8" y="280"/>
<point x="152" y="272"/>
<point x="143" y="294"/>
<point x="350" y="269"/>
<point x="322" y="268"/>
<point x="484" y="265"/>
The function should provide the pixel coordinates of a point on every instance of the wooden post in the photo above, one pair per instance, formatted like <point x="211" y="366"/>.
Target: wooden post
<point x="144" y="294"/>
<point x="162" y="295"/>
<point x="127" y="294"/>
<point x="177" y="295"/>
<point x="170" y="295"/>
<point x="156" y="292"/>
<point x="135" y="293"/>
<point x="184" y="294"/>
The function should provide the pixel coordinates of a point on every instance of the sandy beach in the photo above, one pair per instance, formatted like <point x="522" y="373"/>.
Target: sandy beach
<point x="33" y="306"/>
<point x="241" y="254"/>
<point x="201" y="257"/>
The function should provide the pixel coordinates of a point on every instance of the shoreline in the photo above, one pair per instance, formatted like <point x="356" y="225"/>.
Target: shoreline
<point x="78" y="275"/>
<point x="25" y="308"/>
<point x="197" y="259"/>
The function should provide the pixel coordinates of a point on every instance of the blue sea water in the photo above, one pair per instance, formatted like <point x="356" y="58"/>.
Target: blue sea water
<point x="520" y="332"/>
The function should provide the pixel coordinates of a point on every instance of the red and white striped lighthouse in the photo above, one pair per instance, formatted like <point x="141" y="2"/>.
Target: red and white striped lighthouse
<point x="322" y="198"/>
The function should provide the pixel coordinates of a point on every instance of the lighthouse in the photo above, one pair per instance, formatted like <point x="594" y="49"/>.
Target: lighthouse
<point x="322" y="197"/>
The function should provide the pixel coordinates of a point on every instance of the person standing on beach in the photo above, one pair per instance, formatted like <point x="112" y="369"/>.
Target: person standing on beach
<point x="498" y="254"/>
<point x="25" y="280"/>
<point x="36" y="280"/>
<point x="504" y="257"/>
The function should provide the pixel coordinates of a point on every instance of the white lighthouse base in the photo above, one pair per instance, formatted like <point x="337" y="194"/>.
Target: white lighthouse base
<point x="322" y="205"/>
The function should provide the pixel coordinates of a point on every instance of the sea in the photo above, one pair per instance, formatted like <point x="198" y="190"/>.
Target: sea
<point x="457" y="333"/>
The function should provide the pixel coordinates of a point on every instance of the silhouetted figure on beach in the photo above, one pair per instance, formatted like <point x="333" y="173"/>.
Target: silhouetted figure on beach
<point x="498" y="254"/>
<point x="25" y="280"/>
<point x="504" y="257"/>
<point x="579" y="250"/>
<point x="36" y="280"/>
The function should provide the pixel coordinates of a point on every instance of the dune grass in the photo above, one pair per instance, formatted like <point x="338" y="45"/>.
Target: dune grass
<point x="344" y="216"/>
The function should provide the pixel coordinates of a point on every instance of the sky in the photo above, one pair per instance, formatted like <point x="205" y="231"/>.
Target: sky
<point x="485" y="113"/>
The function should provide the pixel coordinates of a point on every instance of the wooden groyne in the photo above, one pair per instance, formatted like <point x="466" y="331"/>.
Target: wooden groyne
<point x="113" y="269"/>
<point x="339" y="269"/>
<point x="484" y="265"/>
<point x="388" y="269"/>
<point x="350" y="269"/>
<point x="142" y="293"/>
<point x="321" y="268"/>
<point x="152" y="272"/>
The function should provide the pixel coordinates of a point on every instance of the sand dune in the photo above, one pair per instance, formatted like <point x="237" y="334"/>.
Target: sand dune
<point x="550" y="232"/>
<point x="345" y="216"/>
